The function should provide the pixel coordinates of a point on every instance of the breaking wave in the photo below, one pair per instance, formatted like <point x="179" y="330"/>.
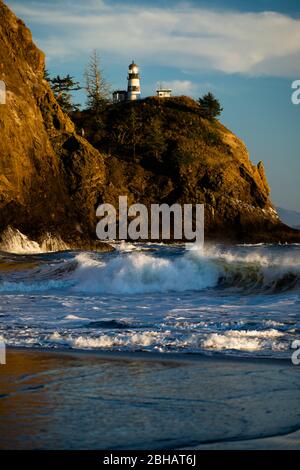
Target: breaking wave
<point x="138" y="272"/>
<point x="144" y="273"/>
<point x="242" y="340"/>
<point x="166" y="340"/>
<point x="154" y="298"/>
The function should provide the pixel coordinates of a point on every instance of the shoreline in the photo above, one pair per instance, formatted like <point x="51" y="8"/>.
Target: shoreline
<point x="90" y="400"/>
<point x="289" y="441"/>
<point x="151" y="356"/>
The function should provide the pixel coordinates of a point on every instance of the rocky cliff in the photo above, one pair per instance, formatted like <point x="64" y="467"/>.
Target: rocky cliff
<point x="52" y="180"/>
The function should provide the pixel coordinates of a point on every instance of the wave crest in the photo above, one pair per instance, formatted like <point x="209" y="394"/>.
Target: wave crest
<point x="138" y="272"/>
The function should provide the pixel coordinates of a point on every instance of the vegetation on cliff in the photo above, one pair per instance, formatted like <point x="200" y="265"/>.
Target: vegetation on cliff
<point x="168" y="150"/>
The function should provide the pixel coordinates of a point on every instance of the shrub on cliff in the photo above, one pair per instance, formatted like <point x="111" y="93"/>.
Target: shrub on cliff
<point x="62" y="88"/>
<point x="210" y="106"/>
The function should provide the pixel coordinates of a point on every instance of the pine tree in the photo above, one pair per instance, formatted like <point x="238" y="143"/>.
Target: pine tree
<point x="154" y="141"/>
<point x="98" y="89"/>
<point x="135" y="127"/>
<point x="62" y="88"/>
<point x="210" y="106"/>
<point x="46" y="75"/>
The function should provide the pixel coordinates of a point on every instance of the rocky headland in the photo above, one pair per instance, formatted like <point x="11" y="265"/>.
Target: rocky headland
<point x="154" y="151"/>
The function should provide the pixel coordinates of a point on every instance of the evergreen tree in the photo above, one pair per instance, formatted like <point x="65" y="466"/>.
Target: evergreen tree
<point x="98" y="89"/>
<point x="135" y="127"/>
<point x="46" y="75"/>
<point x="62" y="88"/>
<point x="210" y="106"/>
<point x="154" y="141"/>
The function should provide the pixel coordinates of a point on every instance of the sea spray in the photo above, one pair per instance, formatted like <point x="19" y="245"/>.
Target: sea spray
<point x="14" y="241"/>
<point x="139" y="269"/>
<point x="140" y="273"/>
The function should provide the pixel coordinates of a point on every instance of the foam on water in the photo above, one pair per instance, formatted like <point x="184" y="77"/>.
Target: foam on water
<point x="138" y="272"/>
<point x="129" y="341"/>
<point x="245" y="341"/>
<point x="141" y="273"/>
<point x="193" y="270"/>
<point x="240" y="300"/>
<point x="14" y="241"/>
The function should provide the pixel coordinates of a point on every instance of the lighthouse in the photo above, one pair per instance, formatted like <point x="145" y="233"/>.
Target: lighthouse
<point x="134" y="86"/>
<point x="133" y="89"/>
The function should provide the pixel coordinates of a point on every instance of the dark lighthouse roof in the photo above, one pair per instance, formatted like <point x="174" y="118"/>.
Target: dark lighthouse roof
<point x="132" y="65"/>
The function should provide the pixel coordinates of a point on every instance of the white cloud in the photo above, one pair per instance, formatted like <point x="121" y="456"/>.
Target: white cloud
<point x="186" y="36"/>
<point x="181" y="87"/>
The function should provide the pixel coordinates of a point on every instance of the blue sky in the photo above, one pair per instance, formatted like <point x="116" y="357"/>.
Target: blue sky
<point x="246" y="53"/>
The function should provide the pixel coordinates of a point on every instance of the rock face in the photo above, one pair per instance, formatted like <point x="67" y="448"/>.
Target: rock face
<point x="164" y="151"/>
<point x="52" y="180"/>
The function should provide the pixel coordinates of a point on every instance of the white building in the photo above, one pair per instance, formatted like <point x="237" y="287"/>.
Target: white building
<point x="119" y="96"/>
<point x="164" y="93"/>
<point x="134" y="86"/>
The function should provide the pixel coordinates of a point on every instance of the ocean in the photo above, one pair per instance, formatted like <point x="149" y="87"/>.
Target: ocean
<point x="233" y="300"/>
<point x="151" y="346"/>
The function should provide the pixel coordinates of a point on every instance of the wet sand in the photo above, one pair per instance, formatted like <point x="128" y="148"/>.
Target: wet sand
<point x="88" y="400"/>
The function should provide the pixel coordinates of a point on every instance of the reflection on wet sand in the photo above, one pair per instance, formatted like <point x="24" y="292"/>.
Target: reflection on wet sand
<point x="84" y="401"/>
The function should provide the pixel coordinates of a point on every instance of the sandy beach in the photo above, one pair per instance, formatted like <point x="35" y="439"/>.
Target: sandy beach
<point x="85" y="400"/>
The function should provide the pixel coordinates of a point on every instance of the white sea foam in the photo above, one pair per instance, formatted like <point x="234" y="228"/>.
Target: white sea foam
<point x="161" y="340"/>
<point x="126" y="246"/>
<point x="68" y="303"/>
<point x="260" y="257"/>
<point x="272" y="323"/>
<point x="75" y="317"/>
<point x="14" y="241"/>
<point x="131" y="340"/>
<point x="140" y="273"/>
<point x="50" y="243"/>
<point x="244" y="340"/>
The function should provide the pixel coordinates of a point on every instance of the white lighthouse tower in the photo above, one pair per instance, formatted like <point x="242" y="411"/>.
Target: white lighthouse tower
<point x="134" y="86"/>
